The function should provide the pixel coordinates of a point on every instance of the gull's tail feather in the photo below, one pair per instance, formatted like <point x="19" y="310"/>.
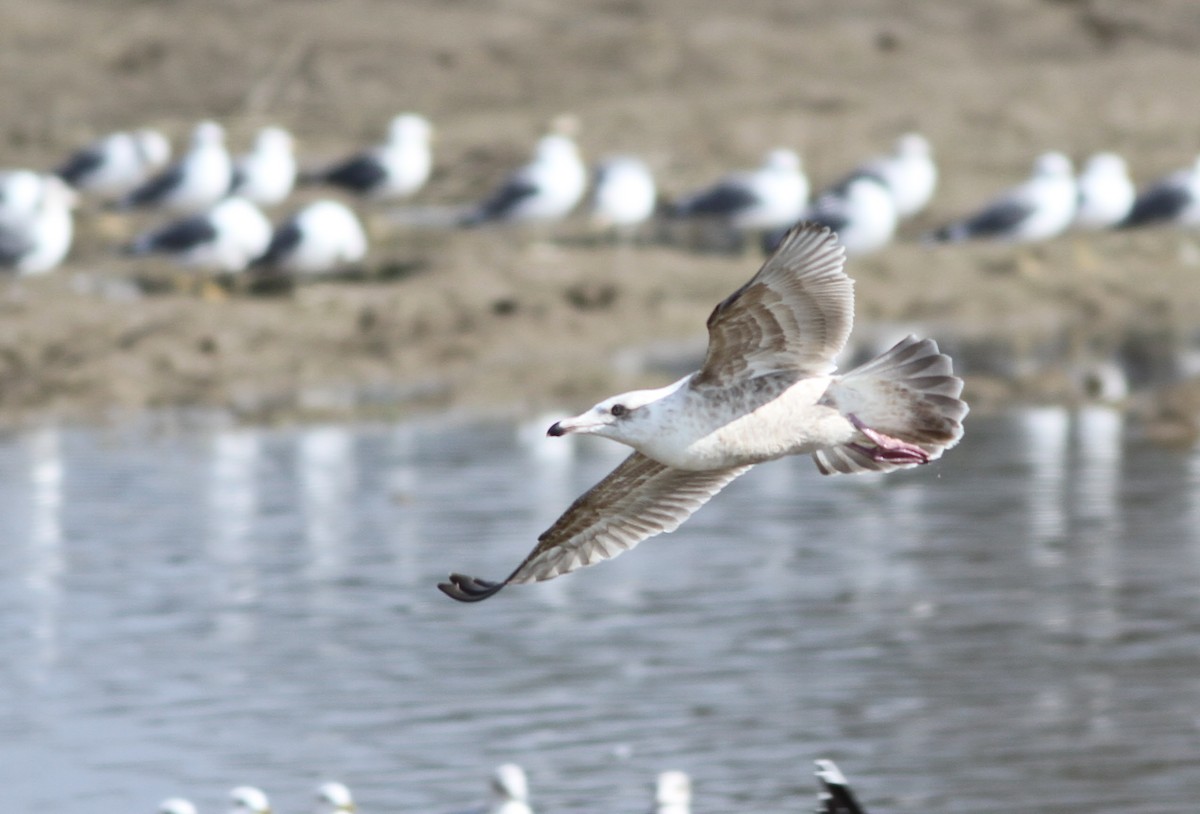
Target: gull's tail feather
<point x="906" y="405"/>
<point x="835" y="796"/>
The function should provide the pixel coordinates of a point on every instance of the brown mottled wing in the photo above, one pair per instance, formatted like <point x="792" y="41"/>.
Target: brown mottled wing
<point x="795" y="314"/>
<point x="638" y="499"/>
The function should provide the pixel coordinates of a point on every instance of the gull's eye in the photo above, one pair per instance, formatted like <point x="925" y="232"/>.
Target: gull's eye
<point x="618" y="410"/>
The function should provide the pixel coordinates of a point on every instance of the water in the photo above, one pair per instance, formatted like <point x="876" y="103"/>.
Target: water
<point x="1015" y="628"/>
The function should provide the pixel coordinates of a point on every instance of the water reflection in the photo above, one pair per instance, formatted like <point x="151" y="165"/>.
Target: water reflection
<point x="1013" y="627"/>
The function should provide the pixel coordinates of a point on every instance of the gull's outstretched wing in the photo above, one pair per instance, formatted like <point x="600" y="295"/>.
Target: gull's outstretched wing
<point x="638" y="499"/>
<point x="794" y="315"/>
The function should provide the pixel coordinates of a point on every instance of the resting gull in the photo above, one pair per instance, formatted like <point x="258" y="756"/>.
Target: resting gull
<point x="116" y="164"/>
<point x="266" y="175"/>
<point x="1171" y="200"/>
<point x="323" y="237"/>
<point x="624" y="194"/>
<point x="766" y="390"/>
<point x="395" y="169"/>
<point x="176" y="805"/>
<point x="861" y="211"/>
<point x="249" y="800"/>
<point x="544" y="190"/>
<point x="1041" y="208"/>
<point x="770" y="197"/>
<point x="195" y="182"/>
<point x="224" y="239"/>
<point x="36" y="226"/>
<point x="908" y="173"/>
<point x="1106" y="193"/>
<point x="835" y="796"/>
<point x="510" y="790"/>
<point x="334" y="798"/>
<point x="672" y="793"/>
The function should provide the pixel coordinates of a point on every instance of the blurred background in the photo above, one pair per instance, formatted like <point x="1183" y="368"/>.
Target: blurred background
<point x="223" y="517"/>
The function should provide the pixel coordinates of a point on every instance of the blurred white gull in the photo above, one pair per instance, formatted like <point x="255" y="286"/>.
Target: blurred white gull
<point x="862" y="212"/>
<point x="834" y="795"/>
<point x="908" y="173"/>
<point x="176" y="805"/>
<point x="1172" y="200"/>
<point x="1041" y="208"/>
<point x="249" y="800"/>
<point x="770" y="197"/>
<point x="334" y="798"/>
<point x="323" y="237"/>
<point x="624" y="194"/>
<point x="36" y="226"/>
<point x="267" y="174"/>
<point x="673" y="793"/>
<point x="226" y="238"/>
<point x="395" y="169"/>
<point x="544" y="190"/>
<point x="1106" y="193"/>
<point x="194" y="183"/>
<point x="510" y="791"/>
<point x="116" y="164"/>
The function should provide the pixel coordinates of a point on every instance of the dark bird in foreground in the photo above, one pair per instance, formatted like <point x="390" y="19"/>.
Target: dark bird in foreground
<point x="766" y="390"/>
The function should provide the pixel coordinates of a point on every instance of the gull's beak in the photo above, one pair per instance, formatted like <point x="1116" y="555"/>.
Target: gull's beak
<point x="580" y="423"/>
<point x="557" y="429"/>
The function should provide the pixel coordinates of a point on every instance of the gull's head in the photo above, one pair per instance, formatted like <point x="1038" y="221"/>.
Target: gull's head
<point x="208" y="134"/>
<point x="176" y="805"/>
<point x="782" y="160"/>
<point x="153" y="147"/>
<point x="1106" y="164"/>
<point x="273" y="140"/>
<point x="1052" y="165"/>
<point x="509" y="783"/>
<point x="623" y="418"/>
<point x="249" y="800"/>
<point x="334" y="797"/>
<point x="673" y="789"/>
<point x="912" y="145"/>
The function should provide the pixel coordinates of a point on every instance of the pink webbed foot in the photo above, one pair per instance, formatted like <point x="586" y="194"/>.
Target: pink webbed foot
<point x="887" y="448"/>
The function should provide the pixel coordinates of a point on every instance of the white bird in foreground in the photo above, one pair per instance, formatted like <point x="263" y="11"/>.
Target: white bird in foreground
<point x="323" y="237"/>
<point x="510" y="791"/>
<point x="771" y="197"/>
<point x="395" y="169"/>
<point x="544" y="190"/>
<point x="1172" y="200"/>
<point x="225" y="239"/>
<point x="624" y="194"/>
<point x="267" y="174"/>
<point x="1039" y="209"/>
<point x="334" y="798"/>
<point x="909" y="173"/>
<point x="766" y="390"/>
<point x="36" y="225"/>
<point x="1106" y="193"/>
<point x="673" y="793"/>
<point x="835" y="796"/>
<point x="194" y="183"/>
<point x="116" y="164"/>
<point x="249" y="800"/>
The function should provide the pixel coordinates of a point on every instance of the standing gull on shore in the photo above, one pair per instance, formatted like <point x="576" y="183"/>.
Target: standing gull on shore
<point x="908" y="173"/>
<point x="766" y="390"/>
<point x="861" y="211"/>
<point x="1174" y="200"/>
<point x="36" y="225"/>
<point x="1039" y="209"/>
<point x="249" y="800"/>
<point x="116" y="164"/>
<point x="624" y="194"/>
<point x="771" y="197"/>
<point x="323" y="237"/>
<point x="195" y="182"/>
<point x="266" y="175"/>
<point x="395" y="169"/>
<point x="334" y="798"/>
<point x="224" y="239"/>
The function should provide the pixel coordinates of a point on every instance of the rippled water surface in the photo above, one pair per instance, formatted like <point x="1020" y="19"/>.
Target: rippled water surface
<point x="1015" y="628"/>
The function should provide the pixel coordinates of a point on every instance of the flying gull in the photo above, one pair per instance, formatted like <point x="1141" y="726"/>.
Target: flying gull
<point x="249" y="800"/>
<point x="266" y="175"/>
<point x="623" y="194"/>
<point x="1106" y="193"/>
<point x="766" y="390"/>
<point x="771" y="197"/>
<point x="1171" y="200"/>
<point x="323" y="237"/>
<point x="672" y="793"/>
<point x="224" y="239"/>
<point x="116" y="164"/>
<point x="36" y="226"/>
<point x="544" y="190"/>
<point x="835" y="796"/>
<point x="334" y="798"/>
<point x="908" y="173"/>
<point x="861" y="211"/>
<point x="395" y="169"/>
<point x="195" y="182"/>
<point x="1041" y="208"/>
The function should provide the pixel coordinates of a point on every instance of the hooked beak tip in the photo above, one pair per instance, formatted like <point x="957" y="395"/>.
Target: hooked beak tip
<point x="556" y="429"/>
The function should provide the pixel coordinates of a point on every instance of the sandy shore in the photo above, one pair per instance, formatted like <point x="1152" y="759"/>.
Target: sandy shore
<point x="500" y="321"/>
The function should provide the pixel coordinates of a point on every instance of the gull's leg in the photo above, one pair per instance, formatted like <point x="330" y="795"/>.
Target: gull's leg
<point x="886" y="447"/>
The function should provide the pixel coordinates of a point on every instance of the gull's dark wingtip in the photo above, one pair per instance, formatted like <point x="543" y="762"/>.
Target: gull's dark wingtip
<point x="469" y="589"/>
